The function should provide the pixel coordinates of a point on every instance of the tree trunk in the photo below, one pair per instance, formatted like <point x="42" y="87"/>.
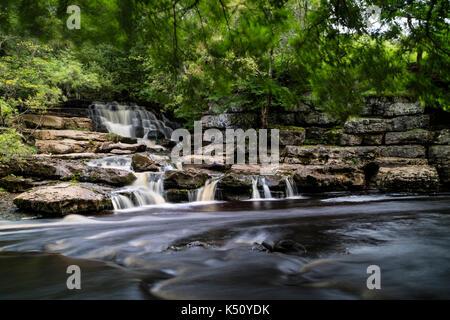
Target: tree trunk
<point x="266" y="107"/>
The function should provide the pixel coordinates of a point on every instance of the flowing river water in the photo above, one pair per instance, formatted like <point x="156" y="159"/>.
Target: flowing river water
<point x="212" y="250"/>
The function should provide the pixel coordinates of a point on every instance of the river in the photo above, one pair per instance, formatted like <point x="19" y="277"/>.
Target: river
<point x="213" y="250"/>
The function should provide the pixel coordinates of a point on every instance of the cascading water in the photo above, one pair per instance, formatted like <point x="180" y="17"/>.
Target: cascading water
<point x="205" y="193"/>
<point x="255" y="192"/>
<point x="146" y="190"/>
<point x="291" y="187"/>
<point x="267" y="193"/>
<point x="129" y="120"/>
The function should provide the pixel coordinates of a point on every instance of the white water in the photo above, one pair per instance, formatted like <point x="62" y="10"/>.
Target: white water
<point x="205" y="193"/>
<point x="129" y="121"/>
<point x="255" y="192"/>
<point x="291" y="187"/>
<point x="148" y="189"/>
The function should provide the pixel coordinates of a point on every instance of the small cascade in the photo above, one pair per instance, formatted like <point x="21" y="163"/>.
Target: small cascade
<point x="129" y="121"/>
<point x="291" y="187"/>
<point x="121" y="202"/>
<point x="255" y="191"/>
<point x="205" y="193"/>
<point x="267" y="193"/>
<point x="146" y="190"/>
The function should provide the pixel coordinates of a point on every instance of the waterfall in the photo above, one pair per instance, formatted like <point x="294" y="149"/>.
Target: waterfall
<point x="146" y="190"/>
<point x="255" y="192"/>
<point x="129" y="121"/>
<point x="291" y="187"/>
<point x="267" y="194"/>
<point x="205" y="193"/>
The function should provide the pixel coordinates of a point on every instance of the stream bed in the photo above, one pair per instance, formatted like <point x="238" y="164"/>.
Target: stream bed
<point x="223" y="250"/>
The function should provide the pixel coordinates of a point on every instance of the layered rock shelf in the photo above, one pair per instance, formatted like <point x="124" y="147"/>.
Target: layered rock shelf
<point x="395" y="146"/>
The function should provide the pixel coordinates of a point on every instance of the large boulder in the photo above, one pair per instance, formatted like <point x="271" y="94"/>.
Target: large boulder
<point x="66" y="146"/>
<point x="186" y="179"/>
<point x="409" y="179"/>
<point x="43" y="168"/>
<point x="65" y="198"/>
<point x="115" y="177"/>
<point x="328" y="178"/>
<point x="141" y="163"/>
<point x="416" y="136"/>
<point x="235" y="187"/>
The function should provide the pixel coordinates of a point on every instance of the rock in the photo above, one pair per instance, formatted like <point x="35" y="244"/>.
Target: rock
<point x="132" y="148"/>
<point x="230" y="120"/>
<point x="177" y="195"/>
<point x="407" y="179"/>
<point x="16" y="184"/>
<point x="42" y="168"/>
<point x="167" y="143"/>
<point x="416" y="136"/>
<point x="399" y="162"/>
<point x="76" y="122"/>
<point x="409" y="151"/>
<point x="289" y="247"/>
<point x="66" y="146"/>
<point x="187" y="179"/>
<point x="440" y="156"/>
<point x="372" y="139"/>
<point x="406" y="123"/>
<point x="5" y="169"/>
<point x="329" y="178"/>
<point x="365" y="139"/>
<point x="65" y="198"/>
<point x="403" y="108"/>
<point x="115" y="177"/>
<point x="54" y="122"/>
<point x="70" y="134"/>
<point x="315" y="133"/>
<point x="316" y="118"/>
<point x="321" y="155"/>
<point x="366" y="125"/>
<point x="351" y="140"/>
<point x="33" y="121"/>
<point x="235" y="187"/>
<point x="442" y="137"/>
<point x="141" y="163"/>
<point x="292" y="137"/>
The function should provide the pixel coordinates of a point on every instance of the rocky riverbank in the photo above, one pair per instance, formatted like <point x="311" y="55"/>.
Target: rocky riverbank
<point x="397" y="146"/>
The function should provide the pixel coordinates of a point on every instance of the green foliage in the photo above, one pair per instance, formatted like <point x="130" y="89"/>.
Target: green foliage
<point x="188" y="55"/>
<point x="12" y="146"/>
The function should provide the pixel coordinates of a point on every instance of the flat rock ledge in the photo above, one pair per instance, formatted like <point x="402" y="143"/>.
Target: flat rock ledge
<point x="65" y="198"/>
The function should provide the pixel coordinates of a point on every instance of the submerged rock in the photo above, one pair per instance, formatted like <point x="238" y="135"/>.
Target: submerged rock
<point x="65" y="198"/>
